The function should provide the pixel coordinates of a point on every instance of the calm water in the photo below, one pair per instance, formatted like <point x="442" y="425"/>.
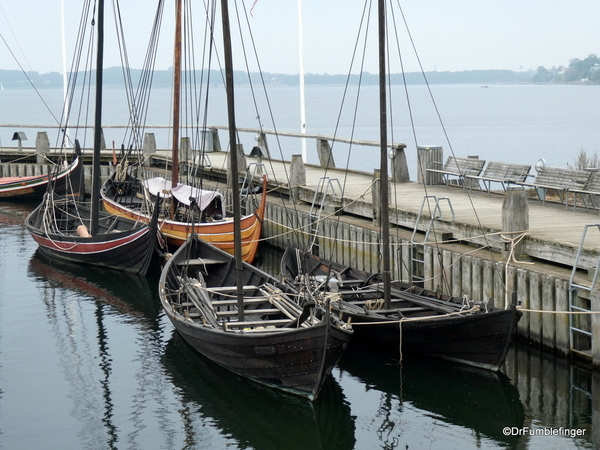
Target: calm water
<point x="89" y="361"/>
<point x="511" y="123"/>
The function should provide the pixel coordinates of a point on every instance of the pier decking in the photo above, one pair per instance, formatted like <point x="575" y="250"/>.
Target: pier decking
<point x="554" y="231"/>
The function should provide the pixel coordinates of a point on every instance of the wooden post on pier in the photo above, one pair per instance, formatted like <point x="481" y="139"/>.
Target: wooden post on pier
<point x="149" y="148"/>
<point x="297" y="176"/>
<point x="19" y="136"/>
<point x="216" y="143"/>
<point x="185" y="150"/>
<point x="426" y="155"/>
<point x="42" y="147"/>
<point x="261" y="142"/>
<point x="399" y="165"/>
<point x="515" y="221"/>
<point x="325" y="155"/>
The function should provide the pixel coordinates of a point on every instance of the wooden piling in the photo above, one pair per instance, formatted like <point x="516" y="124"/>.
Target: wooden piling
<point x="325" y="154"/>
<point x="515" y="221"/>
<point x="399" y="165"/>
<point x="427" y="156"/>
<point x="297" y="176"/>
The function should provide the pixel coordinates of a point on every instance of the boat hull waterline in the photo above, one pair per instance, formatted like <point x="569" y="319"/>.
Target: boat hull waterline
<point x="479" y="340"/>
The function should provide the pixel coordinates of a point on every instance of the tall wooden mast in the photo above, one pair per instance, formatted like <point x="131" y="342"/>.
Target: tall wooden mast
<point x="95" y="210"/>
<point x="385" y="213"/>
<point x="176" y="95"/>
<point x="237" y="233"/>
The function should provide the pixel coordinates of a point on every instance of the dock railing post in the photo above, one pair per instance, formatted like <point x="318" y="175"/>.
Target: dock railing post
<point x="261" y="142"/>
<point x="42" y="147"/>
<point x="149" y="148"/>
<point x="216" y="143"/>
<point x="325" y="154"/>
<point x="399" y="165"/>
<point x="19" y="136"/>
<point x="185" y="150"/>
<point x="297" y="176"/>
<point x="426" y="155"/>
<point x="515" y="222"/>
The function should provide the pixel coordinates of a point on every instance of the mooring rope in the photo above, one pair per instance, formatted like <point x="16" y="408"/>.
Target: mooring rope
<point x="511" y="257"/>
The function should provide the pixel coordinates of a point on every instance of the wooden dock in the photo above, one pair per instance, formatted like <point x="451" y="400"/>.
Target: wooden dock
<point x="463" y="256"/>
<point x="554" y="231"/>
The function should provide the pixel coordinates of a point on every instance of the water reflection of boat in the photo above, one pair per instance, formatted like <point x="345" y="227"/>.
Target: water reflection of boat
<point x="129" y="293"/>
<point x="88" y="311"/>
<point x="472" y="398"/>
<point x="261" y="418"/>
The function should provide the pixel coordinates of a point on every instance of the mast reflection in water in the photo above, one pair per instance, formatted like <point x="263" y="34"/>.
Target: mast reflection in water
<point x="90" y="359"/>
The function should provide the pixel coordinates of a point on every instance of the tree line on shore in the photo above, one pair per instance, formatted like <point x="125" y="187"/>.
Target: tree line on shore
<point x="578" y="71"/>
<point x="14" y="79"/>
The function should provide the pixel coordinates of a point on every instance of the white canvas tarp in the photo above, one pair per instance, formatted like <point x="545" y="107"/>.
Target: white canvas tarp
<point x="182" y="192"/>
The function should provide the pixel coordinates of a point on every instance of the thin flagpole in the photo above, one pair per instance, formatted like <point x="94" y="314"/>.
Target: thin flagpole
<point x="65" y="137"/>
<point x="302" y="96"/>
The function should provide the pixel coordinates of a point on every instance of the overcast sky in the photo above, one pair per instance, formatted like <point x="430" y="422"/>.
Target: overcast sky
<point x="448" y="36"/>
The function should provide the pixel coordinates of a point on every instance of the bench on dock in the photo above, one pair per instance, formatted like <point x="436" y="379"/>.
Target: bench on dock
<point x="501" y="172"/>
<point x="562" y="181"/>
<point x="456" y="169"/>
<point x="591" y="191"/>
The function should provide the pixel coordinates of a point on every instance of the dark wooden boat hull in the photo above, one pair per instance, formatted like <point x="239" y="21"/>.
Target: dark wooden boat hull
<point x="294" y="360"/>
<point x="129" y="246"/>
<point x="65" y="181"/>
<point x="480" y="338"/>
<point x="289" y="361"/>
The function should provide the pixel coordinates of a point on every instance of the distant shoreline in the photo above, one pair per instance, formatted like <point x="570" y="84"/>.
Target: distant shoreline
<point x="11" y="79"/>
<point x="14" y="79"/>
